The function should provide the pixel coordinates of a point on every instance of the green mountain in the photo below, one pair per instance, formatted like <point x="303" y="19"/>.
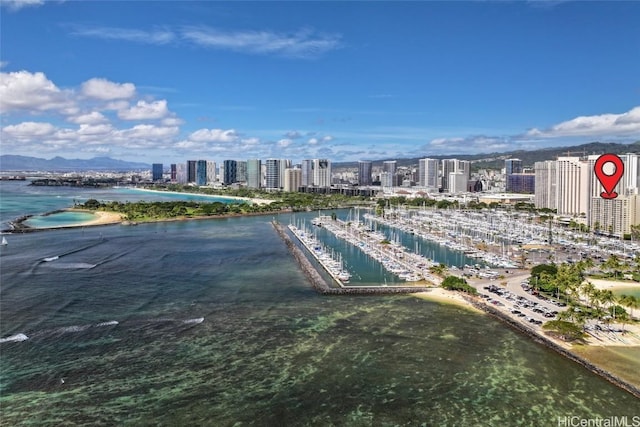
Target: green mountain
<point x="528" y="157"/>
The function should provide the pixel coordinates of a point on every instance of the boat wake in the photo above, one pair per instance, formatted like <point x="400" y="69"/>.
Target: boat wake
<point x="72" y="265"/>
<point x="109" y="323"/>
<point x="14" y="338"/>
<point x="196" y="320"/>
<point x="82" y="328"/>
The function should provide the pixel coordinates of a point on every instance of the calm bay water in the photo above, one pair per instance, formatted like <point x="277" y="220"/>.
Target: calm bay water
<point x="212" y="323"/>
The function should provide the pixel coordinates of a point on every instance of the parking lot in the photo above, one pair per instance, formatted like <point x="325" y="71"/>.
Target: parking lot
<point x="518" y="299"/>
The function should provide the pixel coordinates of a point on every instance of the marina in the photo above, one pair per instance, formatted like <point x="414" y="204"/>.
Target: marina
<point x="408" y="266"/>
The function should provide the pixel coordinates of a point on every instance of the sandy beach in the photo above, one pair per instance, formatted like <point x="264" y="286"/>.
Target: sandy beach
<point x="445" y="296"/>
<point x="102" y="218"/>
<point x="244" y="199"/>
<point x="613" y="284"/>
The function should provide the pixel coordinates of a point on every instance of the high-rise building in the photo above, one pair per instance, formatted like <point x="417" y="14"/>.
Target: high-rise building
<point x="292" y="179"/>
<point x="307" y="173"/>
<point x="512" y="166"/>
<point x="156" y="171"/>
<point x="254" y="173"/>
<point x="201" y="172"/>
<point x="364" y="172"/>
<point x="448" y="166"/>
<point x="616" y="216"/>
<point x="322" y="173"/>
<point x="191" y="171"/>
<point x="181" y="173"/>
<point x="241" y="171"/>
<point x="211" y="172"/>
<point x="464" y="166"/>
<point x="230" y="169"/>
<point x="388" y="176"/>
<point x="545" y="184"/>
<point x="174" y="172"/>
<point x="521" y="183"/>
<point x="572" y="186"/>
<point x="273" y="174"/>
<point x="428" y="173"/>
<point x="458" y="182"/>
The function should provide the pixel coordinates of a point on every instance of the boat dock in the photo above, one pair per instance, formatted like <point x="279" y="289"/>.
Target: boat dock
<point x="320" y="284"/>
<point x="338" y="275"/>
<point x="394" y="257"/>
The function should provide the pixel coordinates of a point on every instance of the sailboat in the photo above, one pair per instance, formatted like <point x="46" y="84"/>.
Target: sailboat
<point x="4" y="241"/>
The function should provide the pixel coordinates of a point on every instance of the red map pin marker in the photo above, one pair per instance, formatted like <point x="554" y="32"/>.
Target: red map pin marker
<point x="609" y="182"/>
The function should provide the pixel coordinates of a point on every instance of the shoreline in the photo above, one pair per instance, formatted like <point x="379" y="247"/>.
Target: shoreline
<point x="445" y="296"/>
<point x="19" y="227"/>
<point x="256" y="201"/>
<point x="604" y="284"/>
<point x="588" y="356"/>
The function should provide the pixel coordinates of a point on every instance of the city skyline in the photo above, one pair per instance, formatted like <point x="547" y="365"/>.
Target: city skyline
<point x="345" y="81"/>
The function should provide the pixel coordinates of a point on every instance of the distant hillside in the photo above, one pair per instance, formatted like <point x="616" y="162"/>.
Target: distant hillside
<point x="10" y="162"/>
<point x="496" y="160"/>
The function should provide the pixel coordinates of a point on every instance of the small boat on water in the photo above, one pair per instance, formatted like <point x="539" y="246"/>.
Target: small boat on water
<point x="51" y="258"/>
<point x="4" y="241"/>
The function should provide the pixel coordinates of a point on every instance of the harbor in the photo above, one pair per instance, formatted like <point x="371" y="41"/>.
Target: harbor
<point x="394" y="257"/>
<point x="321" y="285"/>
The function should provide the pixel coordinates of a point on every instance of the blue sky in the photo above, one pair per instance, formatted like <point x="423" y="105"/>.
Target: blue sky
<point x="169" y="81"/>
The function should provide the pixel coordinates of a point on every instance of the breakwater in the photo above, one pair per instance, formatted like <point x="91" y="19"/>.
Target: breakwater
<point x="541" y="339"/>
<point x="321" y="285"/>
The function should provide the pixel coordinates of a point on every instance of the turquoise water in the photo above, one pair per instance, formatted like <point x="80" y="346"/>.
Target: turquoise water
<point x="635" y="291"/>
<point x="59" y="219"/>
<point x="212" y="323"/>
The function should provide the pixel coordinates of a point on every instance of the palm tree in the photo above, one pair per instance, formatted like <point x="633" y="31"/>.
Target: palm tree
<point x="630" y="301"/>
<point x="613" y="263"/>
<point x="607" y="297"/>
<point x="588" y="290"/>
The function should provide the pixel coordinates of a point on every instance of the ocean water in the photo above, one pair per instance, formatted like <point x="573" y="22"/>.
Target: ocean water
<point x="212" y="323"/>
<point x="59" y="219"/>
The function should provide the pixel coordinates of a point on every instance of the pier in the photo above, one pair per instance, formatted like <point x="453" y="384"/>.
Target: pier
<point x="409" y="266"/>
<point x="321" y="285"/>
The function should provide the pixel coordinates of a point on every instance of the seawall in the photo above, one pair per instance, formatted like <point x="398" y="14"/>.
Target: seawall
<point x="541" y="339"/>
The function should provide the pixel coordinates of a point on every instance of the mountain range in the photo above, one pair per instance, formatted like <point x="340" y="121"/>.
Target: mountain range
<point x="9" y="162"/>
<point x="528" y="157"/>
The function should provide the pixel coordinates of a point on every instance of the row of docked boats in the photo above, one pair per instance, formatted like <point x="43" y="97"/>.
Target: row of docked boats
<point x="451" y="240"/>
<point x="394" y="257"/>
<point x="330" y="261"/>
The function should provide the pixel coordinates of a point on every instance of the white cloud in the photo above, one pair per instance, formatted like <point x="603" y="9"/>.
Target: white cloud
<point x="29" y="130"/>
<point x="284" y="143"/>
<point x="99" y="129"/>
<point x="157" y="37"/>
<point x="106" y="91"/>
<point x="33" y="92"/>
<point x="599" y="125"/>
<point x="172" y="121"/>
<point x="300" y="44"/>
<point x="294" y="134"/>
<point x="468" y="145"/>
<point x="150" y="132"/>
<point x="91" y="118"/>
<point x="214" y="135"/>
<point x="144" y="110"/>
<point x="15" y="5"/>
<point x="313" y="141"/>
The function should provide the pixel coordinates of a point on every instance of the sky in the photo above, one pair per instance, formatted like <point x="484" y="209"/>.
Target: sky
<point x="167" y="81"/>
